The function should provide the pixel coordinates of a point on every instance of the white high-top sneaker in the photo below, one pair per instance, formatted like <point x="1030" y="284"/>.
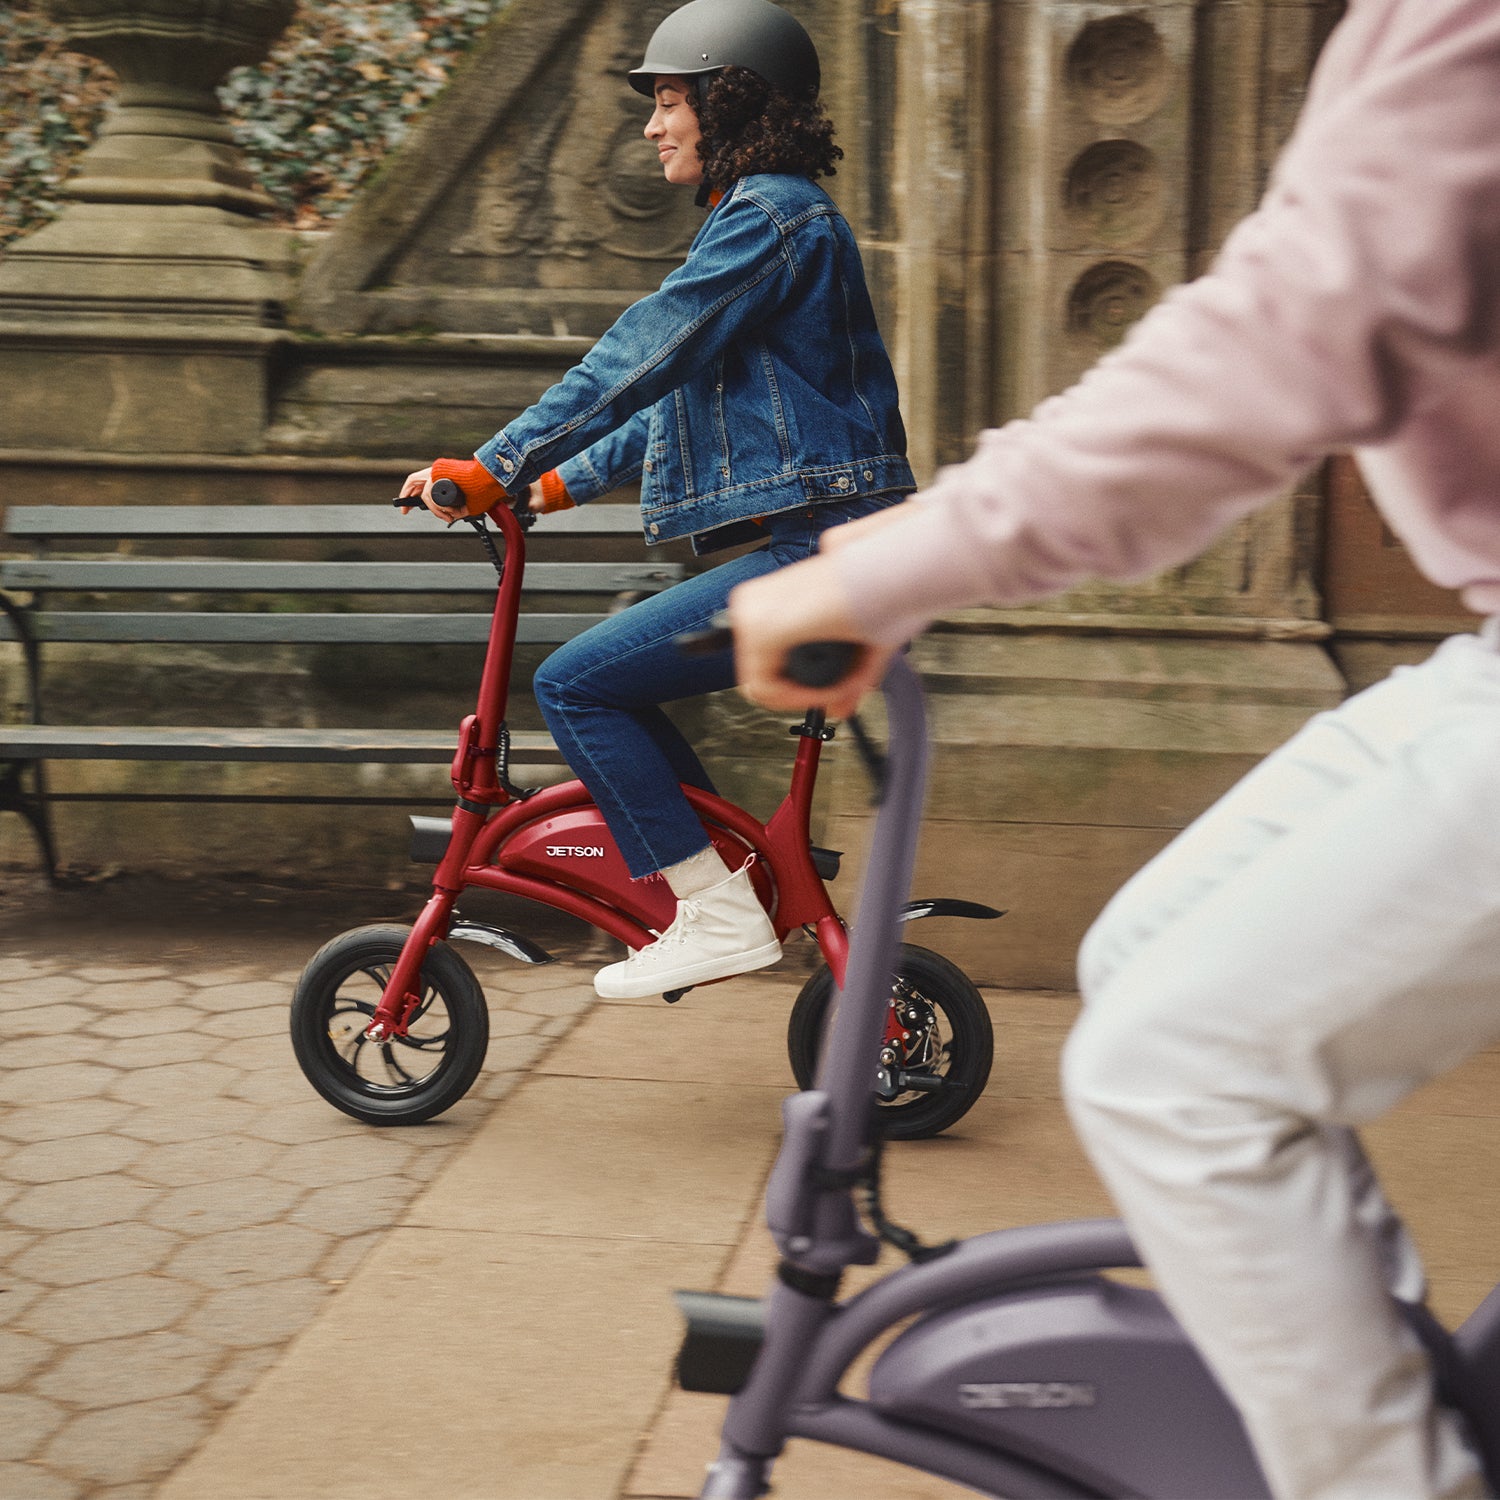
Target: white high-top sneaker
<point x="719" y="931"/>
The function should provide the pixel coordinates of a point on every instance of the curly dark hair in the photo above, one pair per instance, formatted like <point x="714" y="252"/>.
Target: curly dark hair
<point x="748" y="126"/>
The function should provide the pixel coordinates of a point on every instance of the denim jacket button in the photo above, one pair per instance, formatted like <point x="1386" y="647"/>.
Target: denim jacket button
<point x="507" y="465"/>
<point x="655" y="529"/>
<point x="648" y="466"/>
<point x="869" y="476"/>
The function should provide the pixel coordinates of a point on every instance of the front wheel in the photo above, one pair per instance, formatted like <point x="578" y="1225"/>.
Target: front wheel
<point x="940" y="1057"/>
<point x="402" y="1080"/>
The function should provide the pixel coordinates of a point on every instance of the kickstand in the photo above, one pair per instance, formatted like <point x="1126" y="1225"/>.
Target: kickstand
<point x="673" y="996"/>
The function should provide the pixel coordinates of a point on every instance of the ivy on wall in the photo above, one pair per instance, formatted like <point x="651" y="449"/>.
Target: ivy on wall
<point x="341" y="88"/>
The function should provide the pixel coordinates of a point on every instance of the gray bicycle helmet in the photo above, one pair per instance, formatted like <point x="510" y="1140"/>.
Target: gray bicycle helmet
<point x="706" y="35"/>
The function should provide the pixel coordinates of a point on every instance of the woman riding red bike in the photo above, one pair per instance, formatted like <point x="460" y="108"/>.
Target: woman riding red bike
<point x="753" y="400"/>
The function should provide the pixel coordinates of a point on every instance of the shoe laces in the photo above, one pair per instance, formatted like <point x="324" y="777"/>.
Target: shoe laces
<point x="676" y="932"/>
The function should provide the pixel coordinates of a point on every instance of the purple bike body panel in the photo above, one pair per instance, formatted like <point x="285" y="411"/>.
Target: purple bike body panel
<point x="1088" y="1377"/>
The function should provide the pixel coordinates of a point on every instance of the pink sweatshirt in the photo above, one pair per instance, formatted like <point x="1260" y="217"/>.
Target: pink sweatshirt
<point x="1357" y="307"/>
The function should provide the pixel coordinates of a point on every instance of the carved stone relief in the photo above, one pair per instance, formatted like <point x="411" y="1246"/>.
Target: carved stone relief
<point x="1118" y="69"/>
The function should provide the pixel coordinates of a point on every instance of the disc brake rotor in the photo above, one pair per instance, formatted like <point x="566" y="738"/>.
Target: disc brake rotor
<point x="918" y="1049"/>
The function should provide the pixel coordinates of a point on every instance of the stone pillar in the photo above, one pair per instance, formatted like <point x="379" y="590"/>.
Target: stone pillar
<point x="1058" y="166"/>
<point x="143" y="318"/>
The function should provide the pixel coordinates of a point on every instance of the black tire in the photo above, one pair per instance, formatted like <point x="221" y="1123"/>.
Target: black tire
<point x="956" y="1041"/>
<point x="405" y="1080"/>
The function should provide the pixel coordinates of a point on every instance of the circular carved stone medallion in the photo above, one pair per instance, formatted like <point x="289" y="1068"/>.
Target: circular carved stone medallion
<point x="1114" y="193"/>
<point x="1108" y="298"/>
<point x="1118" y="68"/>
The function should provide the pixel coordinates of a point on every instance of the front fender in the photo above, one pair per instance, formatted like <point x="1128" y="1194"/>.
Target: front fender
<point x="512" y="943"/>
<point x="945" y="906"/>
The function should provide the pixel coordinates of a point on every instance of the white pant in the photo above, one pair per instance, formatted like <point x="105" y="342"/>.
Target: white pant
<point x="1318" y="944"/>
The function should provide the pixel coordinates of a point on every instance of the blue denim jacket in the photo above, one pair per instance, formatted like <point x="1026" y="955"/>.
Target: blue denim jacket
<point x="754" y="381"/>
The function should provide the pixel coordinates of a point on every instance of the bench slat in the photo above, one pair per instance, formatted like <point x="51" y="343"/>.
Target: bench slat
<point x="350" y="746"/>
<point x="125" y="574"/>
<point x="39" y="521"/>
<point x="292" y="629"/>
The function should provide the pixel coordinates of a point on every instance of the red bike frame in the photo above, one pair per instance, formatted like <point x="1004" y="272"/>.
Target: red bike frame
<point x="488" y="817"/>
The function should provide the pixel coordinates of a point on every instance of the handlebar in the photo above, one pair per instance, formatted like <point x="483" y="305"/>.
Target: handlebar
<point x="814" y="664"/>
<point x="450" y="497"/>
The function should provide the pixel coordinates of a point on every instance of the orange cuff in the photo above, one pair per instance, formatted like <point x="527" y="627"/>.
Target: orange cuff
<point x="481" y="490"/>
<point x="555" y="494"/>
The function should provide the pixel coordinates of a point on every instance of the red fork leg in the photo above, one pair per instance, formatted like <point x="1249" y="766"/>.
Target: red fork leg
<point x="404" y="991"/>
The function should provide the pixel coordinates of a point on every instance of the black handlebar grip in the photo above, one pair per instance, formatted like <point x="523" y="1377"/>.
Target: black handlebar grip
<point x="445" y="492"/>
<point x="815" y="664"/>
<point x="820" y="664"/>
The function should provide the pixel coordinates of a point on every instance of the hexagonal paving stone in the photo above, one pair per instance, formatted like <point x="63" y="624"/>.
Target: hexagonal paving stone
<point x="82" y="1203"/>
<point x="253" y="1053"/>
<point x="343" y="1259"/>
<point x="49" y="1122"/>
<point x="45" y="989"/>
<point x="212" y="1160"/>
<point x="27" y="1482"/>
<point x="73" y="1156"/>
<point x="21" y="1355"/>
<point x="355" y="1207"/>
<point x="238" y="1373"/>
<point x="510" y="1052"/>
<point x="247" y="1317"/>
<point x="79" y="1255"/>
<point x="561" y="1002"/>
<point x="270" y="1086"/>
<point x="16" y="1296"/>
<point x="126" y="1444"/>
<point x="244" y="1257"/>
<point x="172" y="1083"/>
<point x="45" y="1020"/>
<point x="134" y="995"/>
<point x="246" y="995"/>
<point x="116" y="1372"/>
<point x="309" y="1120"/>
<point x="262" y="1020"/>
<point x="121" y="973"/>
<point x="14" y="1241"/>
<point x="156" y="1049"/>
<point x="189" y="1120"/>
<point x="109" y="1309"/>
<point x="512" y="1023"/>
<point x="236" y="1203"/>
<point x="26" y="1422"/>
<point x="60" y="1081"/>
<point x="154" y="1022"/>
<point x="12" y="969"/>
<point x="42" y="1051"/>
<point x="350" y="1158"/>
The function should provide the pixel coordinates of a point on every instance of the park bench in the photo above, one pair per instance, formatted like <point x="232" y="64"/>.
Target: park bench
<point x="198" y="575"/>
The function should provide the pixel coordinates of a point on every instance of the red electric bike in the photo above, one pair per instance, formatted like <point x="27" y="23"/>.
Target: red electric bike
<point x="389" y="1023"/>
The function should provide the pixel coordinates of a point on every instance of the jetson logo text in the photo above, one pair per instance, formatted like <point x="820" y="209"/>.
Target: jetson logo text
<point x="1029" y="1395"/>
<point x="576" y="851"/>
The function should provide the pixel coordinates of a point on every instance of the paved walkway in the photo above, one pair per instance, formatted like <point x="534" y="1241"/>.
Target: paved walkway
<point x="215" y="1287"/>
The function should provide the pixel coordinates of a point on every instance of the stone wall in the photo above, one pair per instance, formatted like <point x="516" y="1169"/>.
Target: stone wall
<point x="1025" y="176"/>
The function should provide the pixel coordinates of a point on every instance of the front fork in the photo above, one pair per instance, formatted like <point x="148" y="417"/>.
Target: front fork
<point x="403" y="991"/>
<point x="833" y="939"/>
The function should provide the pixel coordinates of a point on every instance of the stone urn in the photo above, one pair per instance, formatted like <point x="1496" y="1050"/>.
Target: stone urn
<point x="147" y="315"/>
<point x="166" y="139"/>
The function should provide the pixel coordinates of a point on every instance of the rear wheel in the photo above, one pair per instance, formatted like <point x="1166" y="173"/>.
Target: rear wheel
<point x="402" y="1080"/>
<point x="935" y="1070"/>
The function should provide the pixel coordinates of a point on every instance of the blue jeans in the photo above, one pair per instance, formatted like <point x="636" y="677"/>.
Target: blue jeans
<point x="601" y="694"/>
